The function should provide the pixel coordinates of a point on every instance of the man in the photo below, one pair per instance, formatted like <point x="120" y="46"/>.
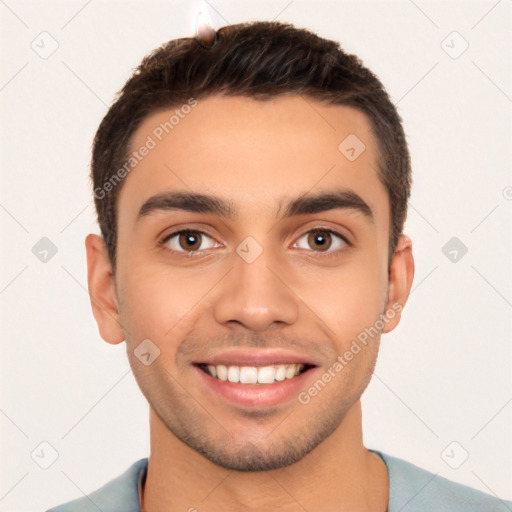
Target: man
<point x="251" y="192"/>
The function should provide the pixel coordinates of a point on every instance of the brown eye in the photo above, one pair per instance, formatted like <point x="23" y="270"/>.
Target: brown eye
<point x="319" y="240"/>
<point x="189" y="241"/>
<point x="322" y="241"/>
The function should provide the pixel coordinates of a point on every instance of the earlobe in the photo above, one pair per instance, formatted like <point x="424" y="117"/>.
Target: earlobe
<point x="102" y="291"/>
<point x="400" y="281"/>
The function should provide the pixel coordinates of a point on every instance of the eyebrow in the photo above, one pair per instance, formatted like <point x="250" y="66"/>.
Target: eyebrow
<point x="302" y="205"/>
<point x="342" y="199"/>
<point x="189" y="202"/>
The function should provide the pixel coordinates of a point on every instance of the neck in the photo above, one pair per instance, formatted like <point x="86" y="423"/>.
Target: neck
<point x="339" y="474"/>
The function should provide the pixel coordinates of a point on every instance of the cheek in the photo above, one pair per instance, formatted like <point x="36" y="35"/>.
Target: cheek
<point x="159" y="304"/>
<point x="348" y="299"/>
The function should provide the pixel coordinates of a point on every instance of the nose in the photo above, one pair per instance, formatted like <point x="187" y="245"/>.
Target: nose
<point x="256" y="296"/>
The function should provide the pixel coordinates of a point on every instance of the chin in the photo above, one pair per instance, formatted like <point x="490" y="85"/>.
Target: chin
<point x="265" y="453"/>
<point x="250" y="458"/>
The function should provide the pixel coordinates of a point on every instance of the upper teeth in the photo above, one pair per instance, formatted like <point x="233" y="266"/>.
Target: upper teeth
<point x="255" y="374"/>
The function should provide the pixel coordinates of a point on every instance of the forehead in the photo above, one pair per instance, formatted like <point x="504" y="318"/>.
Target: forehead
<point x="253" y="152"/>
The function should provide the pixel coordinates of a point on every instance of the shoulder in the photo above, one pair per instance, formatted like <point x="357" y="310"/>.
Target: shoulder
<point x="118" y="495"/>
<point x="413" y="489"/>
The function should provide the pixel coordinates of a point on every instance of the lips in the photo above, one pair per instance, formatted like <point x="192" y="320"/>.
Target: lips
<point x="261" y="377"/>
<point x="258" y="357"/>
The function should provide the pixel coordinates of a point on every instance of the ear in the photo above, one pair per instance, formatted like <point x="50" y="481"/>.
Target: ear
<point x="400" y="281"/>
<point x="102" y="291"/>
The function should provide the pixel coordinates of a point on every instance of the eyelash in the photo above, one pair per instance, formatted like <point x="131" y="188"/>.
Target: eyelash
<point x="192" y="254"/>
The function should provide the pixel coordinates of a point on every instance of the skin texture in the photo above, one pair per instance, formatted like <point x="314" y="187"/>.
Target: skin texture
<point x="207" y="452"/>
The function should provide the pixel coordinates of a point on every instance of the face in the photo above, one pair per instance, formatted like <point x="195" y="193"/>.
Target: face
<point x="252" y="253"/>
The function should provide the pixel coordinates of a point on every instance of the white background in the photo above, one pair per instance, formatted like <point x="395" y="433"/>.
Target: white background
<point x="442" y="376"/>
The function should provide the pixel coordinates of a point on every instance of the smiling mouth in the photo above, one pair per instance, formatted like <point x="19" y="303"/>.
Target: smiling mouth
<point x="255" y="374"/>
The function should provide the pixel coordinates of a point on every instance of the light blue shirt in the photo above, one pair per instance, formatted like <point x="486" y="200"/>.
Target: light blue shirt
<point x="411" y="489"/>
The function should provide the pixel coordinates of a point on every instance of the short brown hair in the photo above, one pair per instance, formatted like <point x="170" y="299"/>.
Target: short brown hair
<point x="260" y="60"/>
